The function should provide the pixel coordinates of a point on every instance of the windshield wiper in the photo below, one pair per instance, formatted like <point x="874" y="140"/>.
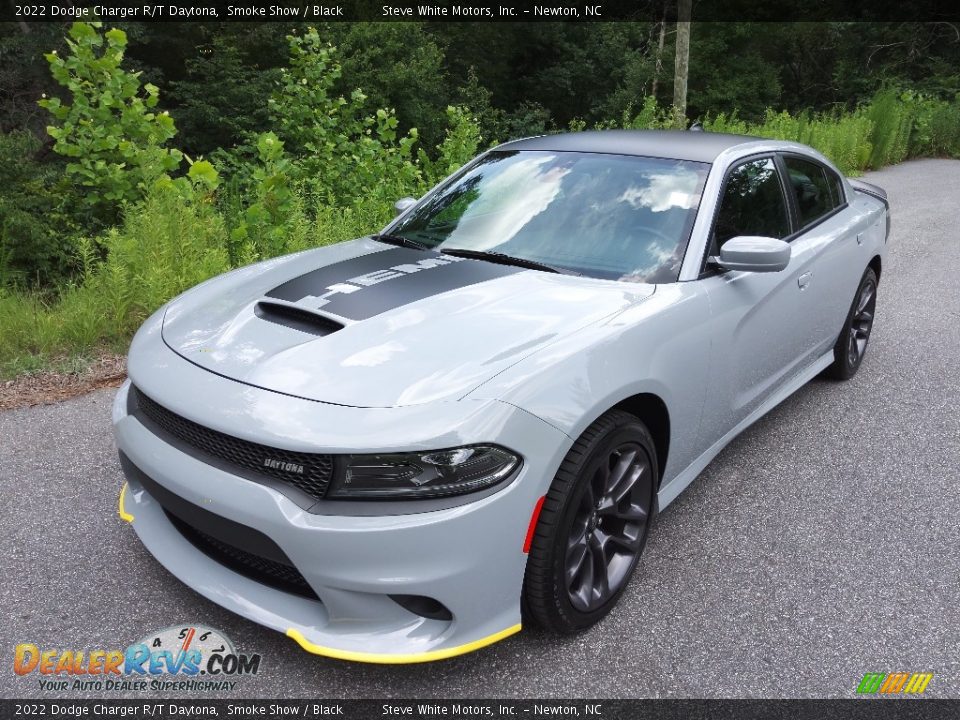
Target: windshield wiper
<point x="504" y="259"/>
<point x="400" y="241"/>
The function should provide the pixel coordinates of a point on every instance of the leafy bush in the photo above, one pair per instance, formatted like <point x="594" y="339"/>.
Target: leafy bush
<point x="724" y="123"/>
<point x="329" y="159"/>
<point x="264" y="226"/>
<point x="650" y="116"/>
<point x="460" y="145"/>
<point x="936" y="129"/>
<point x="892" y="127"/>
<point x="342" y="153"/>
<point x="109" y="130"/>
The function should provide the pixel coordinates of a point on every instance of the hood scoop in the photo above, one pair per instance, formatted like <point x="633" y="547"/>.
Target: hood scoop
<point x="297" y="318"/>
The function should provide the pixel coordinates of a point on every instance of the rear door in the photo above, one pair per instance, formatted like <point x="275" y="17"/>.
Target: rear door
<point x="818" y="199"/>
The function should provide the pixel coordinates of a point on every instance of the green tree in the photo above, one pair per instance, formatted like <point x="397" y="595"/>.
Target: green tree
<point x="218" y="89"/>
<point x="398" y="65"/>
<point x="730" y="70"/>
<point x="37" y="222"/>
<point x="221" y="100"/>
<point x="24" y="75"/>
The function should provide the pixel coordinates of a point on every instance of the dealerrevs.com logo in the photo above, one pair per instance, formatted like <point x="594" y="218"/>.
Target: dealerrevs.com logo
<point x="178" y="658"/>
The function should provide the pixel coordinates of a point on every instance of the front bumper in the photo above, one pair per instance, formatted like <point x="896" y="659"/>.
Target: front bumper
<point x="468" y="557"/>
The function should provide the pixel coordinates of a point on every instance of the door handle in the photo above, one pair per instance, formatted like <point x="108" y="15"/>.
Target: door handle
<point x="804" y="280"/>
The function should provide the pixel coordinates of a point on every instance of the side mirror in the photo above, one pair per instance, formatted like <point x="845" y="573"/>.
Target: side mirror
<point x="753" y="254"/>
<point x="403" y="204"/>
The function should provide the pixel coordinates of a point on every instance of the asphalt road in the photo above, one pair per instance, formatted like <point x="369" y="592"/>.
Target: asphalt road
<point x="822" y="544"/>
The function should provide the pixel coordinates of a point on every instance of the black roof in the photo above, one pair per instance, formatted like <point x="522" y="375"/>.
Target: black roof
<point x="674" y="144"/>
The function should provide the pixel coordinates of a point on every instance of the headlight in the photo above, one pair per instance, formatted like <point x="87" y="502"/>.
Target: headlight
<point x="434" y="473"/>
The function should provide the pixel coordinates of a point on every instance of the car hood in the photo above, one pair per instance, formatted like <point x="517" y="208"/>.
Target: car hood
<point x="368" y="325"/>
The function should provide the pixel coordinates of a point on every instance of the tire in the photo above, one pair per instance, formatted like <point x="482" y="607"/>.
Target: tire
<point x="581" y="520"/>
<point x="852" y="344"/>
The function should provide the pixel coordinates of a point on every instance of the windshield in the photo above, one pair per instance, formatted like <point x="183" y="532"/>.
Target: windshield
<point x="607" y="216"/>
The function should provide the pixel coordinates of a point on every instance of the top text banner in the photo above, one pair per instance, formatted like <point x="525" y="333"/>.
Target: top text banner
<point x="319" y="11"/>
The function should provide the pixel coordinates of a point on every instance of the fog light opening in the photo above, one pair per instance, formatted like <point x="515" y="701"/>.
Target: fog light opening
<point x="423" y="606"/>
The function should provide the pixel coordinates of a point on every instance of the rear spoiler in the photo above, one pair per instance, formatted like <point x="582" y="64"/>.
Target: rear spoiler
<point x="870" y="189"/>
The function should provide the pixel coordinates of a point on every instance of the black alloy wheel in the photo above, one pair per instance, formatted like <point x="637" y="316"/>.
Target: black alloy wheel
<point x="608" y="528"/>
<point x="861" y="323"/>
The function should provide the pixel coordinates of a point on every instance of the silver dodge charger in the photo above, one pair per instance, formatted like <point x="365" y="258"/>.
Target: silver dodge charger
<point x="398" y="448"/>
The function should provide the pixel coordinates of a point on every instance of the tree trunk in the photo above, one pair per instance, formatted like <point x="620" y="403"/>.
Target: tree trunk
<point x="681" y="64"/>
<point x="24" y="28"/>
<point x="658" y="66"/>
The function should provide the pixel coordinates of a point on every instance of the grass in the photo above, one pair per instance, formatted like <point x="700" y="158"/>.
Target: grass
<point x="62" y="364"/>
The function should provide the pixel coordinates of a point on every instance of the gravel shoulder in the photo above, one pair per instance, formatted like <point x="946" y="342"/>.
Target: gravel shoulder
<point x="50" y="386"/>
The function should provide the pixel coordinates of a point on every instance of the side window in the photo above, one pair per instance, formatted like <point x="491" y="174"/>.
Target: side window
<point x="814" y="187"/>
<point x="753" y="204"/>
<point x="835" y="182"/>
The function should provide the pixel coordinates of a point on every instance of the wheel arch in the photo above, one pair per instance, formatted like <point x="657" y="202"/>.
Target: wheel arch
<point x="652" y="412"/>
<point x="875" y="264"/>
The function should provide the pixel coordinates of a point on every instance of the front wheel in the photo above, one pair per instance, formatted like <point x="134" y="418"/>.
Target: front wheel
<point x="851" y="346"/>
<point x="593" y="525"/>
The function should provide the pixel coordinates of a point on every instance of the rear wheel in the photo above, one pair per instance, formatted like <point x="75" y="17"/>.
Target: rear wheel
<point x="852" y="344"/>
<point x="593" y="525"/>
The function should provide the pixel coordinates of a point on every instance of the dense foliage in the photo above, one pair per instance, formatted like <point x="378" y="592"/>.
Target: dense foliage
<point x="286" y="140"/>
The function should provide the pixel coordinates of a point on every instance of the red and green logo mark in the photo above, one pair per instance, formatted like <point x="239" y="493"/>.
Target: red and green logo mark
<point x="894" y="683"/>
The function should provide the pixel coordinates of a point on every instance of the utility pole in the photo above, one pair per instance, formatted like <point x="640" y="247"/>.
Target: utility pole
<point x="681" y="64"/>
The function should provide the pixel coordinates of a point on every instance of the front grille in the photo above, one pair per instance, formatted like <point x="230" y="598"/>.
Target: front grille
<point x="258" y="459"/>
<point x="269" y="572"/>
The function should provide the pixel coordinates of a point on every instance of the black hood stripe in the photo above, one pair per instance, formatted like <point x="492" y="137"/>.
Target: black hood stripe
<point x="364" y="286"/>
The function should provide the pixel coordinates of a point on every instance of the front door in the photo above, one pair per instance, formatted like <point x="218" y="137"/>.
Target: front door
<point x="763" y="328"/>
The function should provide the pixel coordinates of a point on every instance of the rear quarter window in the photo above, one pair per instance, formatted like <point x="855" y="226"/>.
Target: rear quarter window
<point x="817" y="189"/>
<point x="838" y="195"/>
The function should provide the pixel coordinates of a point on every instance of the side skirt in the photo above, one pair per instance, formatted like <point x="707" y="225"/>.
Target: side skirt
<point x="670" y="492"/>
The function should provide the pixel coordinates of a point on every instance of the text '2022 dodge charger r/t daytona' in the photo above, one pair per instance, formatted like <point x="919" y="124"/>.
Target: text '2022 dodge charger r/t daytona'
<point x="394" y="448"/>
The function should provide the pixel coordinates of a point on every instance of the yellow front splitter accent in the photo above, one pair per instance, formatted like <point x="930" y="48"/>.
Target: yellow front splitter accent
<point x="124" y="515"/>
<point x="400" y="658"/>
